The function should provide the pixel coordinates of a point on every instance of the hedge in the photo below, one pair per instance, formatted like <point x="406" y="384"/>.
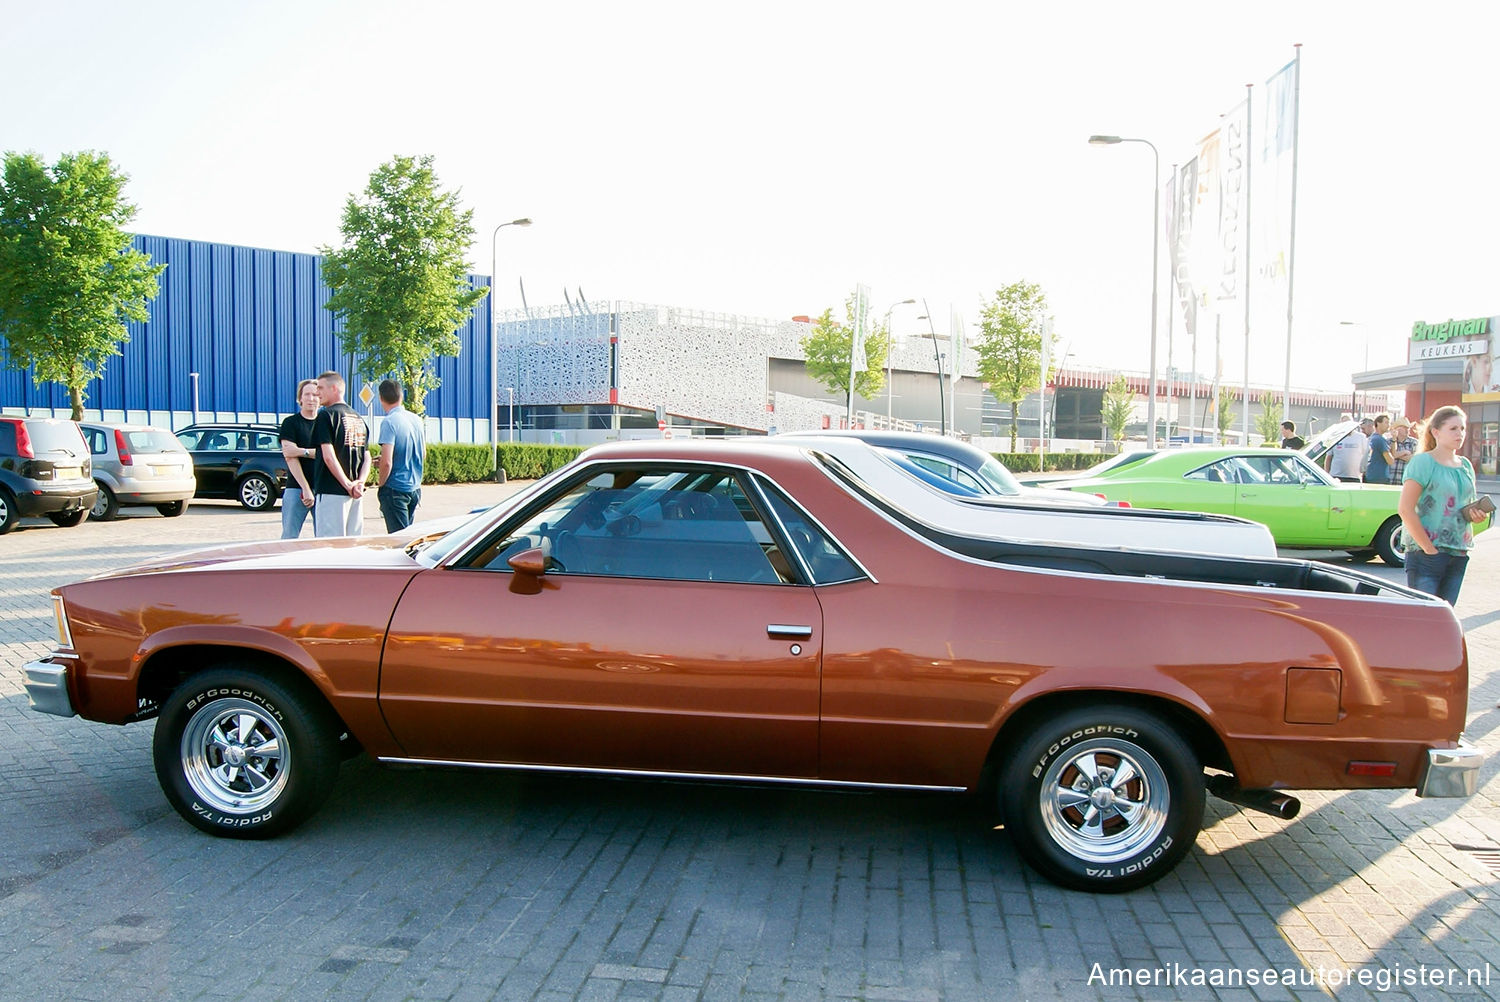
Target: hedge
<point x="457" y="463"/>
<point x="1028" y="462"/>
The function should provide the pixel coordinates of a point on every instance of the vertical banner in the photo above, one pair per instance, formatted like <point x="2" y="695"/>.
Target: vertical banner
<point x="1184" y="194"/>
<point x="1233" y="189"/>
<point x="1274" y="179"/>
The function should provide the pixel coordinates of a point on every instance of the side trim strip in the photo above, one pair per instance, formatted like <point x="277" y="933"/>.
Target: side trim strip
<point x="657" y="774"/>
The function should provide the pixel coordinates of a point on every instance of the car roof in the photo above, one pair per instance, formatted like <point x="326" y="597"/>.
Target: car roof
<point x="236" y="425"/>
<point x="938" y="445"/>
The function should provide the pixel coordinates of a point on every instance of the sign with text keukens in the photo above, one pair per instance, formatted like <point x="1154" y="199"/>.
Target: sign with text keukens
<point x="1450" y="338"/>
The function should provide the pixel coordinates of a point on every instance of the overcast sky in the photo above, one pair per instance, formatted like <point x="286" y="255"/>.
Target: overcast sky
<point x="763" y="158"/>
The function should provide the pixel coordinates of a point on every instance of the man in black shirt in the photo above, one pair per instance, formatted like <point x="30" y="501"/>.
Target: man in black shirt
<point x="1289" y="436"/>
<point x="301" y="460"/>
<point x="340" y="434"/>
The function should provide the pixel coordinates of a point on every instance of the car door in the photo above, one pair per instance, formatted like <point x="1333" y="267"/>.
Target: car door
<point x="214" y="465"/>
<point x="1282" y="494"/>
<point x="1207" y="488"/>
<point x="662" y="638"/>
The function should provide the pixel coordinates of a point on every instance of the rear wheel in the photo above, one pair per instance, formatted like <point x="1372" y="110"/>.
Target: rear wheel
<point x="106" y="506"/>
<point x="172" y="509"/>
<point x="256" y="492"/>
<point x="1388" y="542"/>
<point x="1102" y="798"/>
<point x="8" y="514"/>
<point x="242" y="754"/>
<point x="67" y="519"/>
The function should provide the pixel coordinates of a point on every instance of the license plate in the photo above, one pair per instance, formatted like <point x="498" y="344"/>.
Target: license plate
<point x="66" y="472"/>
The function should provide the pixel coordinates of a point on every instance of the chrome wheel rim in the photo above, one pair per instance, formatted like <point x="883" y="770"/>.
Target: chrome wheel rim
<point x="235" y="756"/>
<point x="255" y="492"/>
<point x="1104" y="801"/>
<point x="101" y="503"/>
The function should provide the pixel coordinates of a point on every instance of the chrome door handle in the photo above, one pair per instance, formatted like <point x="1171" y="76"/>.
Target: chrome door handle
<point x="783" y="630"/>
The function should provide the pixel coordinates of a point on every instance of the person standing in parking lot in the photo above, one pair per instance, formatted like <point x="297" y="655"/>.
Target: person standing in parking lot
<point x="1379" y="469"/>
<point x="1289" y="437"/>
<point x="340" y="435"/>
<point x="301" y="460"/>
<point x="1350" y="454"/>
<point x="402" y="446"/>
<point x="1436" y="510"/>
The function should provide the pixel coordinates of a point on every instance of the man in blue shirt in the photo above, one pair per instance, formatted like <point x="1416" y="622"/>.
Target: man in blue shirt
<point x="1379" y="470"/>
<point x="403" y="451"/>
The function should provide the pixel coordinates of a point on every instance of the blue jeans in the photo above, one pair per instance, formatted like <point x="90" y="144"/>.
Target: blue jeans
<point x="293" y="513"/>
<point x="398" y="507"/>
<point x="1440" y="573"/>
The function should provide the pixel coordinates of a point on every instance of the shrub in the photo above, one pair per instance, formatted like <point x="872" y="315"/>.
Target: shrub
<point x="1029" y="462"/>
<point x="522" y="461"/>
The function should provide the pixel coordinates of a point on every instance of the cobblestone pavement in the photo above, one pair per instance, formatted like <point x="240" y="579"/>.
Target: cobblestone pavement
<point x="461" y="885"/>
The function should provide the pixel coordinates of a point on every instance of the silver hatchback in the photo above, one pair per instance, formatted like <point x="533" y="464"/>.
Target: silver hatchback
<point x="137" y="464"/>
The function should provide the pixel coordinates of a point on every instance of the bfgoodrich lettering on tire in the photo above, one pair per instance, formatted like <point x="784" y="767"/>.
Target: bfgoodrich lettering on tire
<point x="243" y="754"/>
<point x="1102" y="798"/>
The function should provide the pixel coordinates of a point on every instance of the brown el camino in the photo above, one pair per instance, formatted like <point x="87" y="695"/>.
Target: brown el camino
<point x="756" y="612"/>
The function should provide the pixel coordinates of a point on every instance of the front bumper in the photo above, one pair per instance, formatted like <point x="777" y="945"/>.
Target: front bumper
<point x="1452" y="772"/>
<point x="47" y="685"/>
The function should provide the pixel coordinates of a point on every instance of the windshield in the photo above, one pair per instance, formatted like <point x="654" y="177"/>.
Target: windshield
<point x="435" y="552"/>
<point x="994" y="473"/>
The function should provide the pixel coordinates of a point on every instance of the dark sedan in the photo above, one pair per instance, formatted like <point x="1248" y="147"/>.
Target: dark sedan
<point x="241" y="462"/>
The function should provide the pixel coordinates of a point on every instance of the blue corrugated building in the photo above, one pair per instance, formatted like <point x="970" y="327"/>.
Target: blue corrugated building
<point x="251" y="323"/>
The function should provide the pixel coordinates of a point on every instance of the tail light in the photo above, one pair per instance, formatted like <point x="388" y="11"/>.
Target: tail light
<point x="122" y="448"/>
<point x="23" y="441"/>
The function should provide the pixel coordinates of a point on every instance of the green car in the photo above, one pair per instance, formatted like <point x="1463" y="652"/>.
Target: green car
<point x="1283" y="490"/>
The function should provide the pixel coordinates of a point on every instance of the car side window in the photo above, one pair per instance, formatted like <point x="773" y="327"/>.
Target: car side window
<point x="827" y="561"/>
<point x="98" y="445"/>
<point x="682" y="524"/>
<point x="189" y="439"/>
<point x="1222" y="472"/>
<point x="263" y="442"/>
<point x="1276" y="470"/>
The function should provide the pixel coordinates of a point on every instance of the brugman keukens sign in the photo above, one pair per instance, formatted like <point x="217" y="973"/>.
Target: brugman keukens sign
<point x="1450" y="338"/>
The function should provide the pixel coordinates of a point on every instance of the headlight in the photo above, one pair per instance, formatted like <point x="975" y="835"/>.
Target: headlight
<point x="60" y="614"/>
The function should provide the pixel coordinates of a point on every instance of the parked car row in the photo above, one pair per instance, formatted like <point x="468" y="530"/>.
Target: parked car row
<point x="70" y="471"/>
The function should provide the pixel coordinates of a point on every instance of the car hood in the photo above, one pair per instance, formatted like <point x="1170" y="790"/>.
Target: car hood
<point x="344" y="552"/>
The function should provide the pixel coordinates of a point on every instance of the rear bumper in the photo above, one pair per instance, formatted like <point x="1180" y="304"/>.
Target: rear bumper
<point x="155" y="492"/>
<point x="40" y="501"/>
<point x="1451" y="772"/>
<point x="47" y="685"/>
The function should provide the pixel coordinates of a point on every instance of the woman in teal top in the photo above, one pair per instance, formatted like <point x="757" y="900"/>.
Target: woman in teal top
<point x="1439" y="532"/>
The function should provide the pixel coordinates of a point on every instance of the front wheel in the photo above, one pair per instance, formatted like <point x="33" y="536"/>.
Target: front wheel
<point x="1102" y="798"/>
<point x="1388" y="542"/>
<point x="257" y="492"/>
<point x="242" y="754"/>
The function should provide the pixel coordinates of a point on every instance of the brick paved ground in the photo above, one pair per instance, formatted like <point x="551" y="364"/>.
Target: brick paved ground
<point x="461" y="885"/>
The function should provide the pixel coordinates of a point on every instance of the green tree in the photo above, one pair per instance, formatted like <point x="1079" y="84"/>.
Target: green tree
<point x="827" y="348"/>
<point x="69" y="279"/>
<point x="1224" y="412"/>
<point x="1115" y="411"/>
<point x="1268" y="421"/>
<point x="1010" y="344"/>
<point x="400" y="279"/>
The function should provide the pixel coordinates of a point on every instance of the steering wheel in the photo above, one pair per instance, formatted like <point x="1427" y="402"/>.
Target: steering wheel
<point x="566" y="552"/>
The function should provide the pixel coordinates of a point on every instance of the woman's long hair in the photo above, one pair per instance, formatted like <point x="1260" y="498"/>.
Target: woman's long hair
<point x="1438" y="419"/>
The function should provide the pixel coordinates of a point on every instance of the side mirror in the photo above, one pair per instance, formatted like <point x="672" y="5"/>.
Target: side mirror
<point x="532" y="562"/>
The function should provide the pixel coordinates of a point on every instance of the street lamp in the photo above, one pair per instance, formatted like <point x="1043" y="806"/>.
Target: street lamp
<point x="1155" y="236"/>
<point x="942" y="399"/>
<point x="904" y="302"/>
<point x="495" y="352"/>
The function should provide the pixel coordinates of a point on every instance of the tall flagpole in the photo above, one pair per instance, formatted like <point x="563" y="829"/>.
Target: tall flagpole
<point x="1291" y="248"/>
<point x="1249" y="156"/>
<point x="1172" y="302"/>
